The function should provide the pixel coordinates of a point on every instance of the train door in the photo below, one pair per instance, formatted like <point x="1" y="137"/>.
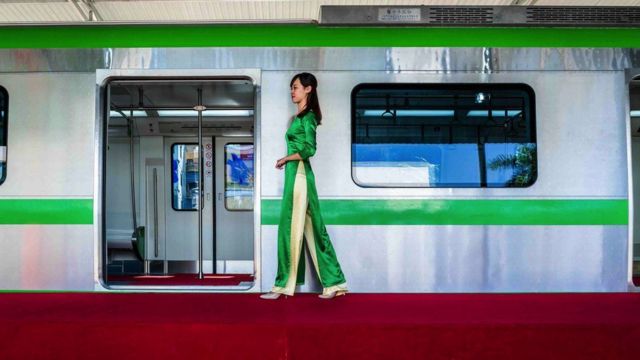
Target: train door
<point x="181" y="214"/>
<point x="234" y="203"/>
<point x="634" y="107"/>
<point x="178" y="183"/>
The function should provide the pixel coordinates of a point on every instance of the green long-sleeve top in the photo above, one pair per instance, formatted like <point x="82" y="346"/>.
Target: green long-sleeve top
<point x="301" y="136"/>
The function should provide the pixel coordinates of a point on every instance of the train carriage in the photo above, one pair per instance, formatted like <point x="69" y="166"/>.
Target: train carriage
<point x="146" y="165"/>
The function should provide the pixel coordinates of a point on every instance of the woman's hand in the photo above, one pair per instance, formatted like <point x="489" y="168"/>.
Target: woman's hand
<point x="280" y="163"/>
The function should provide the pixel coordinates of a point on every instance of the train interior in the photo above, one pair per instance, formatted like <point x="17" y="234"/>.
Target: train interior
<point x="634" y="104"/>
<point x="170" y="146"/>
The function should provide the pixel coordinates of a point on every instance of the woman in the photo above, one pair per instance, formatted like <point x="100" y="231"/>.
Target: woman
<point x="300" y="215"/>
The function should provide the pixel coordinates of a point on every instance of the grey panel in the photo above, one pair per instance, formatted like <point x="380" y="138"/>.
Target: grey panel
<point x="118" y="193"/>
<point x="50" y="140"/>
<point x="471" y="258"/>
<point x="487" y="15"/>
<point x="389" y="59"/>
<point x="396" y="59"/>
<point x="153" y="176"/>
<point x="580" y="124"/>
<point x="234" y="94"/>
<point x="234" y="229"/>
<point x="55" y="60"/>
<point x="46" y="257"/>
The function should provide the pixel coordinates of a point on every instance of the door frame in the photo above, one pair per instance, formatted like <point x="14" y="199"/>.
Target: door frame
<point x="103" y="78"/>
<point x="630" y="75"/>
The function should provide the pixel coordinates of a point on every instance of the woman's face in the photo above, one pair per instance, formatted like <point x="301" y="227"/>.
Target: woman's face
<point x="299" y="92"/>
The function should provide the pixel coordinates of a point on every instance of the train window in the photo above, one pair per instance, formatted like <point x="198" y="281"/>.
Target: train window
<point x="238" y="177"/>
<point x="185" y="182"/>
<point x="4" y="114"/>
<point x="443" y="135"/>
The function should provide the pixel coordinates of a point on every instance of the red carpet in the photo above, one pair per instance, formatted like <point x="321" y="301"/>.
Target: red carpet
<point x="180" y="279"/>
<point x="357" y="326"/>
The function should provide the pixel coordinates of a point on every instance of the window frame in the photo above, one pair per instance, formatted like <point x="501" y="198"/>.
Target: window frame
<point x="4" y="93"/>
<point x="224" y="178"/>
<point x="445" y="86"/>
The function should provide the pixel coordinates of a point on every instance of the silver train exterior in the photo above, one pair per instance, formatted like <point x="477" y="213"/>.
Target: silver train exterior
<point x="582" y="105"/>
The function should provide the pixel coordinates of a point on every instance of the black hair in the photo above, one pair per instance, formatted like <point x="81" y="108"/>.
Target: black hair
<point x="307" y="79"/>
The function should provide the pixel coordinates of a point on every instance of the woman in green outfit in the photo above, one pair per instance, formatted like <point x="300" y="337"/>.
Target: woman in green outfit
<point x="300" y="215"/>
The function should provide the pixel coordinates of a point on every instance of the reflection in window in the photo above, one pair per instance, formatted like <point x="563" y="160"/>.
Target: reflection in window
<point x="443" y="135"/>
<point x="4" y="109"/>
<point x="185" y="176"/>
<point x="238" y="193"/>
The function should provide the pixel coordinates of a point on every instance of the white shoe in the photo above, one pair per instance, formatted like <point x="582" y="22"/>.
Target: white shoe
<point x="271" y="296"/>
<point x="333" y="294"/>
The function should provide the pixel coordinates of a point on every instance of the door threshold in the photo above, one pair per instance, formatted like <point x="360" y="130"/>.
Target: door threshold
<point x="179" y="280"/>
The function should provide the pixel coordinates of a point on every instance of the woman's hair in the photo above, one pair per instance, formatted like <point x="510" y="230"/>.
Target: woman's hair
<point x="307" y="79"/>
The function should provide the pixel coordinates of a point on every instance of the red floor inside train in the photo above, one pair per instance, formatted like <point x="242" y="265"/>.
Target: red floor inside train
<point x="356" y="326"/>
<point x="180" y="279"/>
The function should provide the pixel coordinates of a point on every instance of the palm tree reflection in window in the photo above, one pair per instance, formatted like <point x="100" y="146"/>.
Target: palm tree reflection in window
<point x="523" y="163"/>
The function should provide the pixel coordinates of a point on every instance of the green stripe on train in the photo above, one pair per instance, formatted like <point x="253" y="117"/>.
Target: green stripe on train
<point x="370" y="212"/>
<point x="309" y="35"/>
<point x="46" y="211"/>
<point x="464" y="212"/>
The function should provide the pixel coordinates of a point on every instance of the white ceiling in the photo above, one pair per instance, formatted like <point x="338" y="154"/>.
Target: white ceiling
<point x="57" y="11"/>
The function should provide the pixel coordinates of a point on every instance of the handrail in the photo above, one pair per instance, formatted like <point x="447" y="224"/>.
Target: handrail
<point x="155" y="212"/>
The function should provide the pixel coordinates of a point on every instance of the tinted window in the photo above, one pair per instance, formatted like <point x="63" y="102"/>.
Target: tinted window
<point x="443" y="135"/>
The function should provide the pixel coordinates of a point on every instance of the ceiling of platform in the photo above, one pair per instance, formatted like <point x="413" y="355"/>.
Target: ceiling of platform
<point x="150" y="11"/>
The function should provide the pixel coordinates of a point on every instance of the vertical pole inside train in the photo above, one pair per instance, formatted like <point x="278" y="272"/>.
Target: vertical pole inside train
<point x="199" y="108"/>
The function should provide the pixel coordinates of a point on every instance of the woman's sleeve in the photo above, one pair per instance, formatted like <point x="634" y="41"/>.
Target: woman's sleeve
<point x="309" y="148"/>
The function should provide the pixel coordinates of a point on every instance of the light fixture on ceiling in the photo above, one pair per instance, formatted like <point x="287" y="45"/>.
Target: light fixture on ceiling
<point x="482" y="97"/>
<point x="188" y="113"/>
<point x="136" y="113"/>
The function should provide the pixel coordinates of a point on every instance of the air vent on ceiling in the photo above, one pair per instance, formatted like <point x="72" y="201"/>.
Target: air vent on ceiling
<point x="460" y="15"/>
<point x="583" y="15"/>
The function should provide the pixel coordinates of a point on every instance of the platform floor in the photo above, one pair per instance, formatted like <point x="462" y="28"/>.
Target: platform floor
<point x="357" y="326"/>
